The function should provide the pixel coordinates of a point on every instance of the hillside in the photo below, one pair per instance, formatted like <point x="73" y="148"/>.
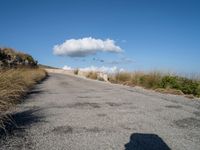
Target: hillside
<point x="10" y="58"/>
<point x="47" y="67"/>
<point x="19" y="73"/>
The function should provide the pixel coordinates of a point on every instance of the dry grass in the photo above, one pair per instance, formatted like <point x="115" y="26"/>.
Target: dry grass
<point x="76" y="71"/>
<point x="92" y="75"/>
<point x="14" y="85"/>
<point x="169" y="91"/>
<point x="164" y="83"/>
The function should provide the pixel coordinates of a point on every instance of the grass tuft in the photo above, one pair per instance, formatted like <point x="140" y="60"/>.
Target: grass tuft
<point x="76" y="71"/>
<point x="92" y="75"/>
<point x="14" y="85"/>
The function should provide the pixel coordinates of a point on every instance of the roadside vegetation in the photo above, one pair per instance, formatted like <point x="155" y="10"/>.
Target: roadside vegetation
<point x="76" y="71"/>
<point x="164" y="83"/>
<point x="157" y="81"/>
<point x="17" y="76"/>
<point x="92" y="75"/>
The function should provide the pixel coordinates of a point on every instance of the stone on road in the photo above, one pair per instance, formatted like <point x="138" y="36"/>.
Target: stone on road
<point x="70" y="113"/>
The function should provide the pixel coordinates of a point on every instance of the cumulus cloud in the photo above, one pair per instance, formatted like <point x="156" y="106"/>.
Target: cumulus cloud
<point x="104" y="69"/>
<point x="67" y="67"/>
<point x="85" y="46"/>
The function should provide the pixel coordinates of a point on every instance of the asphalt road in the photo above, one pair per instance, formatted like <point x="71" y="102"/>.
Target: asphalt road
<point x="71" y="113"/>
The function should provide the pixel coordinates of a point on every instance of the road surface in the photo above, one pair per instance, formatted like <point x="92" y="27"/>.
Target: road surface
<point x="71" y="113"/>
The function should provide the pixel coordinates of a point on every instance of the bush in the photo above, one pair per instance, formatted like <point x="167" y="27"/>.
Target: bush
<point x="190" y="86"/>
<point x="76" y="71"/>
<point x="92" y="75"/>
<point x="198" y="90"/>
<point x="170" y="82"/>
<point x="30" y="59"/>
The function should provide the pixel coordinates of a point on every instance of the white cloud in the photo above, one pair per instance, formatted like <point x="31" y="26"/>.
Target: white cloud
<point x="104" y="69"/>
<point x="67" y="67"/>
<point x="85" y="46"/>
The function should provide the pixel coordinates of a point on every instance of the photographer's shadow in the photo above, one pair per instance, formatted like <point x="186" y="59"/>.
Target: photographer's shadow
<point x="139" y="141"/>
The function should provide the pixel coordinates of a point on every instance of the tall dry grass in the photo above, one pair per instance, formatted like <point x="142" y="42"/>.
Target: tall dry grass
<point x="161" y="82"/>
<point x="14" y="85"/>
<point x="92" y="75"/>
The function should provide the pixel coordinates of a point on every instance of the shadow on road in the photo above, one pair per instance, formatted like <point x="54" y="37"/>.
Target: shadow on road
<point x="34" y="91"/>
<point x="19" y="121"/>
<point x="139" y="141"/>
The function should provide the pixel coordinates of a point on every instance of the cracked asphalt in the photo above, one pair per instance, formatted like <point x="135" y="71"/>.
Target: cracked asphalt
<point x="71" y="113"/>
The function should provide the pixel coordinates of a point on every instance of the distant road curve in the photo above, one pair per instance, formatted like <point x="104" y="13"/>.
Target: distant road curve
<point x="71" y="113"/>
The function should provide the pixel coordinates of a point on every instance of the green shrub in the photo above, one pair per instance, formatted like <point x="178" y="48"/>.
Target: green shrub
<point x="187" y="86"/>
<point x="198" y="90"/>
<point x="29" y="58"/>
<point x="190" y="86"/>
<point x="170" y="82"/>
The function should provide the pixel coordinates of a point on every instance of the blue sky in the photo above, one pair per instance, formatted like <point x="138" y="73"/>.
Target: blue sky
<point x="153" y="34"/>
